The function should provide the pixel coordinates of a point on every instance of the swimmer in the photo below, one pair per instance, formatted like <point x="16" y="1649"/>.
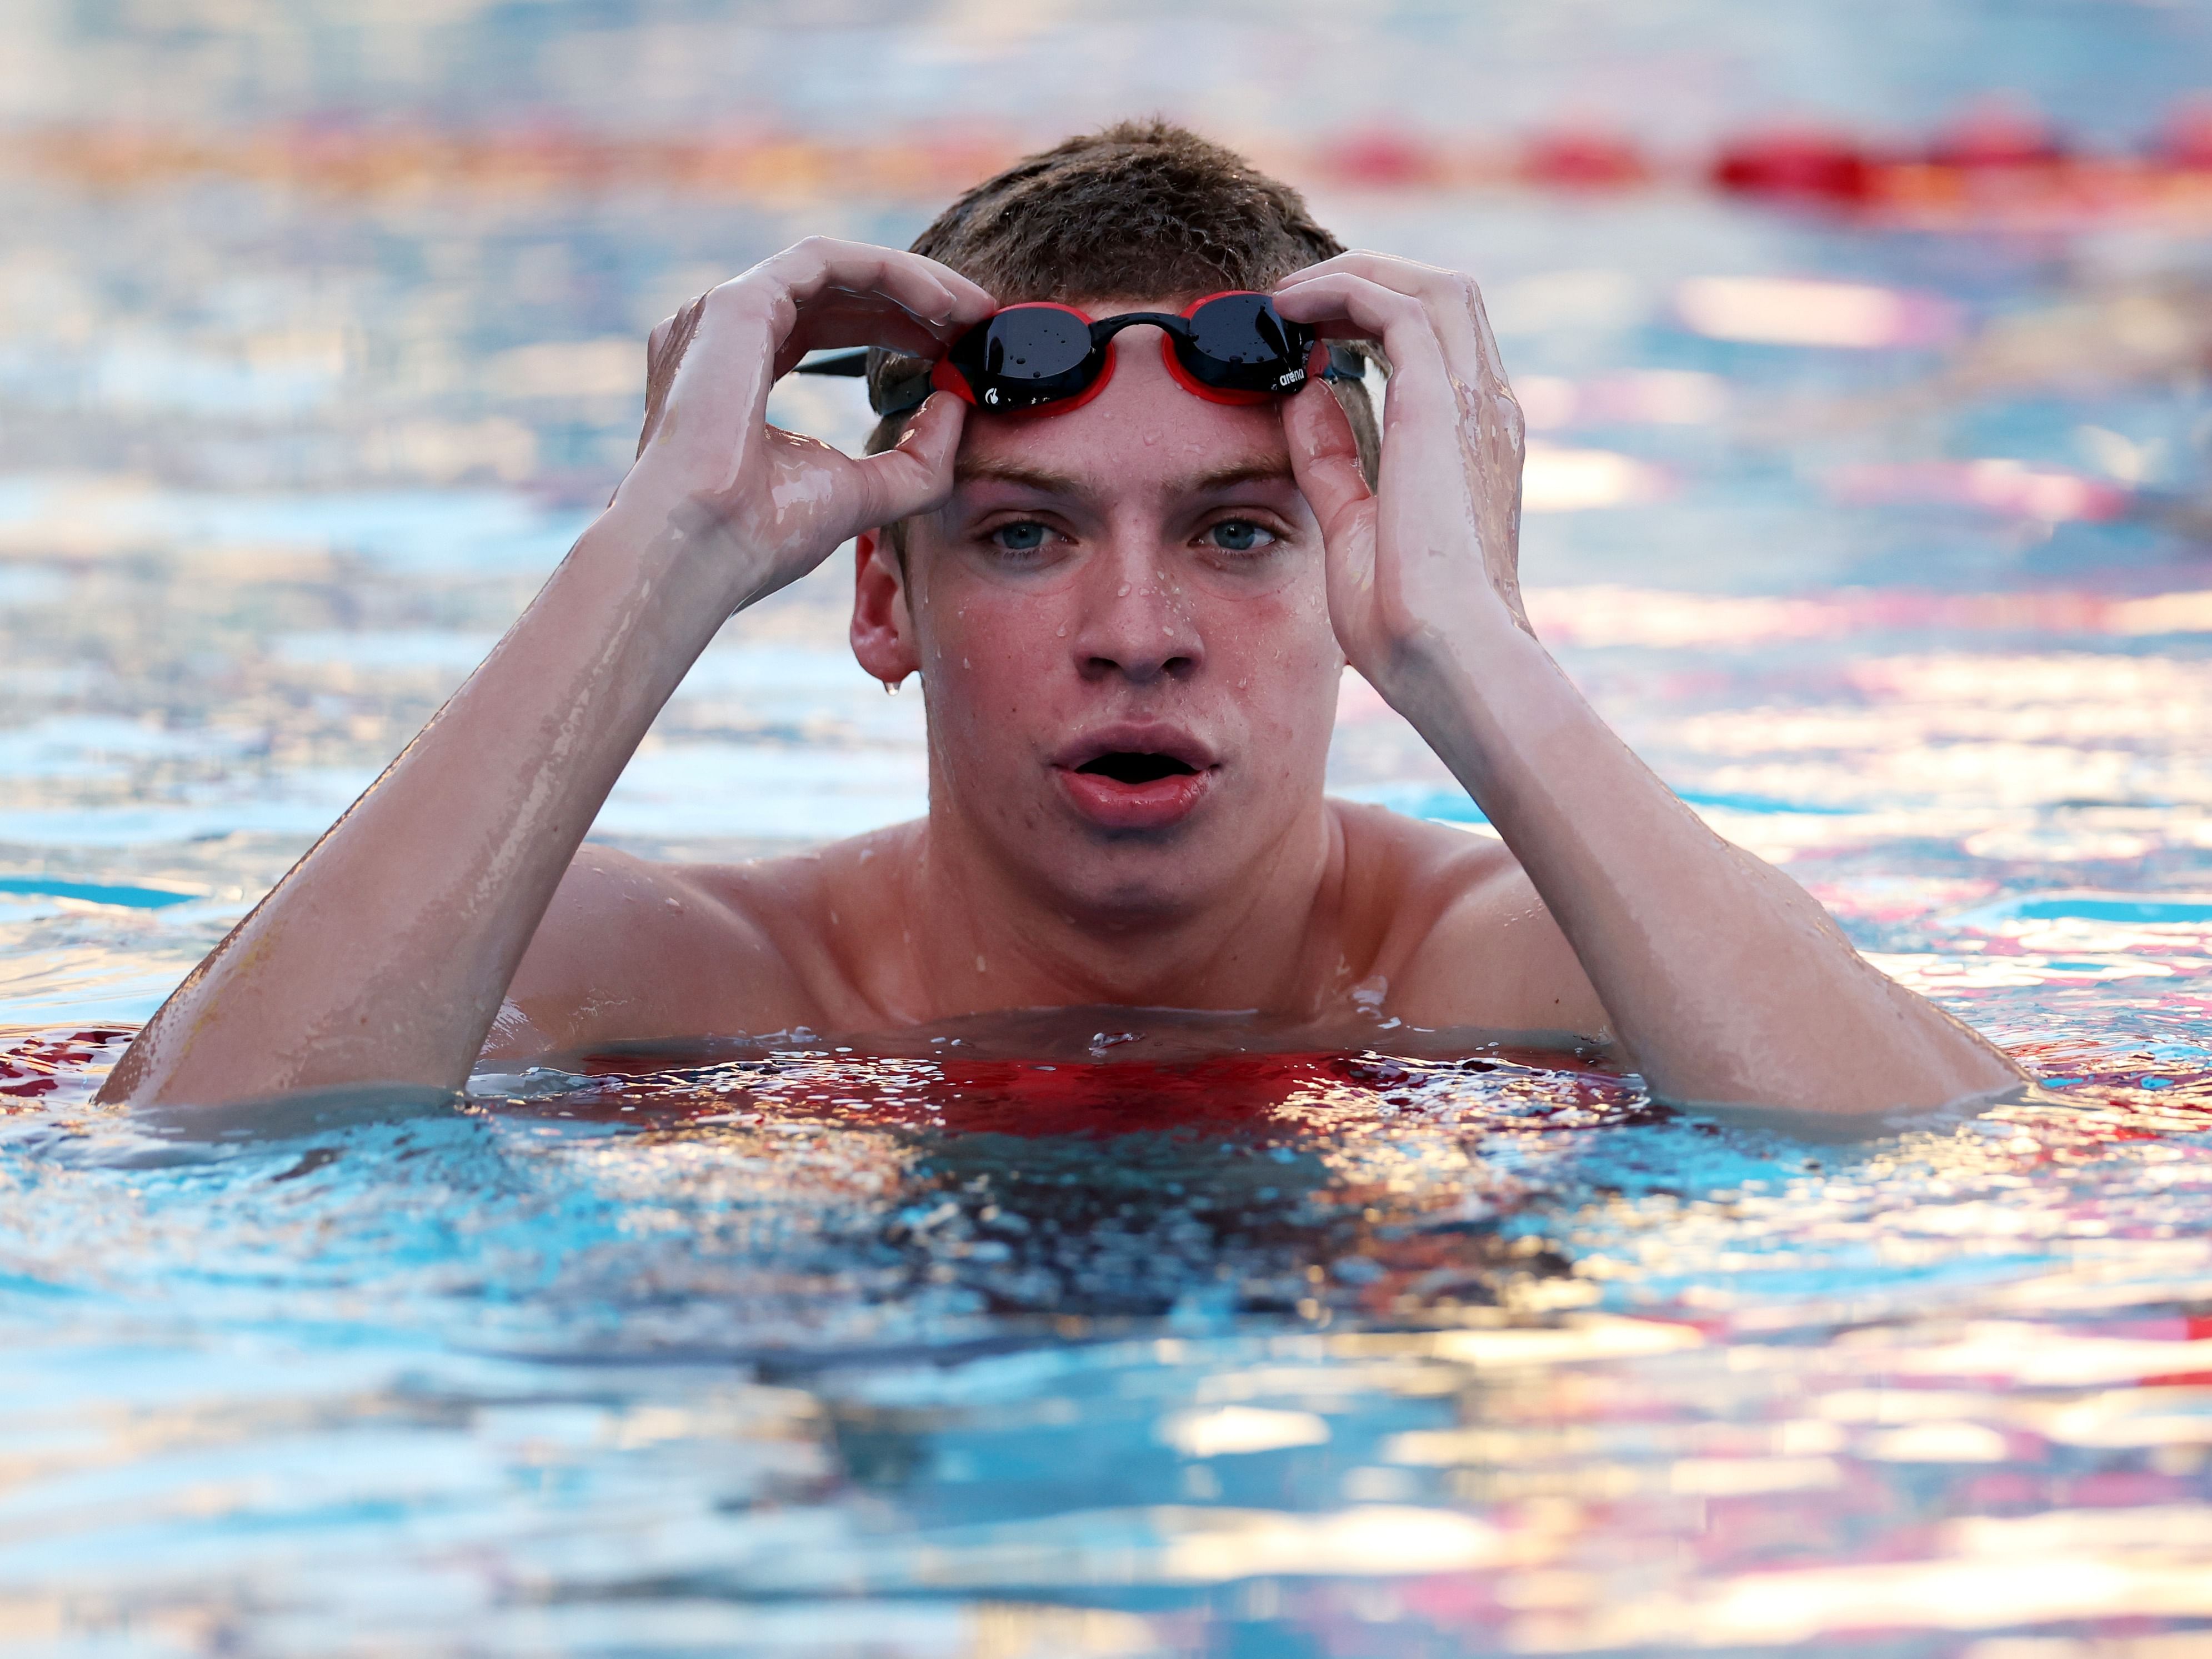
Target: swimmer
<point x="1130" y="607"/>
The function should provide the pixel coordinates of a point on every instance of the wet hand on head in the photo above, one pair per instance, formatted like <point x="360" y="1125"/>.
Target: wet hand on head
<point x="763" y="505"/>
<point x="1435" y="555"/>
<point x="1412" y="572"/>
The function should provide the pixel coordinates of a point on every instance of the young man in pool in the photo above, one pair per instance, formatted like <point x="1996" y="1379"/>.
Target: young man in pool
<point x="1130" y="607"/>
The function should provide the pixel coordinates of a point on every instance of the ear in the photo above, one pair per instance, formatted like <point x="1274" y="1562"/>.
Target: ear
<point x="883" y="630"/>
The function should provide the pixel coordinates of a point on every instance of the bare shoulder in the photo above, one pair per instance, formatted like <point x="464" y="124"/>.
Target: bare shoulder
<point x="1469" y="940"/>
<point x="629" y="948"/>
<point x="635" y="948"/>
<point x="830" y="919"/>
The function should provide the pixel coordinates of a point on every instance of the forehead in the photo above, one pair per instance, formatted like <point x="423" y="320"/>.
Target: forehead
<point x="1141" y="432"/>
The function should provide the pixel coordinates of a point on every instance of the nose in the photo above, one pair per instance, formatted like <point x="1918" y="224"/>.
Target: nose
<point x="1133" y="622"/>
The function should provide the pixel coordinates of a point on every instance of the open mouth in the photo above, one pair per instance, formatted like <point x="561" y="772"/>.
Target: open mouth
<point x="1135" y="768"/>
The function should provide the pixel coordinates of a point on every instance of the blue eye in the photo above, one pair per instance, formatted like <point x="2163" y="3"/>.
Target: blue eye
<point x="1023" y="536"/>
<point x="1239" y="535"/>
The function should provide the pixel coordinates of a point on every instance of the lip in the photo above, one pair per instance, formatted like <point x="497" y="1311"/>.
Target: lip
<point x="1112" y="804"/>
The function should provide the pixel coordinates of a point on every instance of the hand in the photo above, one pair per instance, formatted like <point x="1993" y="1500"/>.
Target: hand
<point x="770" y="505"/>
<point x="1438" y="549"/>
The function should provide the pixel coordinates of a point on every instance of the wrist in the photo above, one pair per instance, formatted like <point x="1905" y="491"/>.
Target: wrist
<point x="1442" y="654"/>
<point x="679" y="548"/>
<point x="1488" y="699"/>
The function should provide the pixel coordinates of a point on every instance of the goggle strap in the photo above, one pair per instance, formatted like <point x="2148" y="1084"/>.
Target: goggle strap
<point x="853" y="364"/>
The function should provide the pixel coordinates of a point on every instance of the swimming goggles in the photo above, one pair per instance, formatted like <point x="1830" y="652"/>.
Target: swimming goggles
<point x="1039" y="358"/>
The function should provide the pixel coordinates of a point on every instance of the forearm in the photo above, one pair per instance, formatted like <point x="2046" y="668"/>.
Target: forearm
<point x="383" y="955"/>
<point x="1726" y="981"/>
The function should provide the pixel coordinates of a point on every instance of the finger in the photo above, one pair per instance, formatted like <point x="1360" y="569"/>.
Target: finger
<point x="1343" y="298"/>
<point x="1454" y="299"/>
<point x="837" y="318"/>
<point x="938" y="297"/>
<point x="1347" y="330"/>
<point x="1406" y="276"/>
<point x="916" y="475"/>
<point x="1418" y="363"/>
<point x="1325" y="461"/>
<point x="1424" y="419"/>
<point x="823" y="292"/>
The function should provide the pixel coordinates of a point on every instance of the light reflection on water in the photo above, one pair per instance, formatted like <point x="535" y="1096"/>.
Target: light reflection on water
<point x="1379" y="1355"/>
<point x="927" y="1351"/>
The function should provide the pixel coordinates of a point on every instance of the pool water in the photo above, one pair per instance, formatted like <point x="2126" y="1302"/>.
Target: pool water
<point x="1110" y="1332"/>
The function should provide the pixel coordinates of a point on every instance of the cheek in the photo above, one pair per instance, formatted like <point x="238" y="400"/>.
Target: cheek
<point x="989" y="655"/>
<point x="1283" y="641"/>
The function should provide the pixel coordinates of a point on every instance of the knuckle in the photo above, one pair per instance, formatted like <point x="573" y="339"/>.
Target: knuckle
<point x="743" y="299"/>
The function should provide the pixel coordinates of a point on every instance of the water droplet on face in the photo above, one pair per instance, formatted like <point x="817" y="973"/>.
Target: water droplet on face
<point x="964" y="663"/>
<point x="1123" y="593"/>
<point x="1061" y="632"/>
<point x="1152" y="438"/>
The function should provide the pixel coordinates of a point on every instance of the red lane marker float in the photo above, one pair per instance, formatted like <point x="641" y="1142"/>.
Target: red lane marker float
<point x="1589" y="159"/>
<point x="1384" y="161"/>
<point x="2185" y="140"/>
<point x="1996" y="133"/>
<point x="1796" y="165"/>
<point x="1997" y="163"/>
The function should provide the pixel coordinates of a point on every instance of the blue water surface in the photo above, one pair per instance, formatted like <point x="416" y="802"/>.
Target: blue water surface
<point x="953" y="1351"/>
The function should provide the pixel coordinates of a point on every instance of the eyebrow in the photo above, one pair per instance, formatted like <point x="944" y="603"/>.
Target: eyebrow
<point x="1061" y="484"/>
<point x="1231" y="477"/>
<point x="1025" y="477"/>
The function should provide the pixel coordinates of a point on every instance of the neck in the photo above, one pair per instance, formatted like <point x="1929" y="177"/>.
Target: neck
<point x="986" y="939"/>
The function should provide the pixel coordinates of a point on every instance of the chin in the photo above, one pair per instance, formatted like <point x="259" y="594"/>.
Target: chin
<point x="1129" y="878"/>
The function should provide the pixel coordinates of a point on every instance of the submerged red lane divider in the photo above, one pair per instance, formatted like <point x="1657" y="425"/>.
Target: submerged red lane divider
<point x="35" y="1064"/>
<point x="1269" y="1095"/>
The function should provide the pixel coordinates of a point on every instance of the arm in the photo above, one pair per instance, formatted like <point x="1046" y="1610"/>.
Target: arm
<point x="1726" y="982"/>
<point x="383" y="955"/>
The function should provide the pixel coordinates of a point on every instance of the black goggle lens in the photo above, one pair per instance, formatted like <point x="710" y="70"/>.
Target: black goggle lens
<point x="1241" y="344"/>
<point x="1026" y="357"/>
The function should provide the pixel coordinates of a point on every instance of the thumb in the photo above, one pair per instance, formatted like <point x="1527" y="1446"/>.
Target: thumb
<point x="664" y="355"/>
<point x="1325" y="460"/>
<point x="916" y="475"/>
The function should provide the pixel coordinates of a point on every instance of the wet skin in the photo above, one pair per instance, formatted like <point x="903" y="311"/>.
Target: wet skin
<point x="1130" y="623"/>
